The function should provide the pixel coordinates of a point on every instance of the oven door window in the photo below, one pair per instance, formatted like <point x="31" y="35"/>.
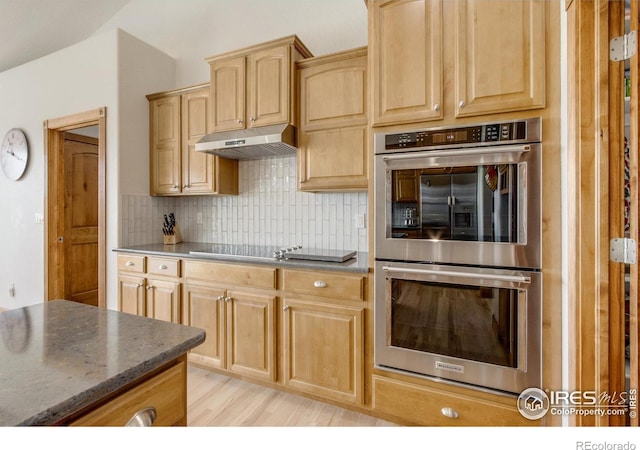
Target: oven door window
<point x="467" y="322"/>
<point x="470" y="203"/>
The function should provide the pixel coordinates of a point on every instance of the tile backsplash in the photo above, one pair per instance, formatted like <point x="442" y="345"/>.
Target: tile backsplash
<point x="268" y="211"/>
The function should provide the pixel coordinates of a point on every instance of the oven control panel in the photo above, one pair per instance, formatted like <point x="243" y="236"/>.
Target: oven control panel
<point x="492" y="133"/>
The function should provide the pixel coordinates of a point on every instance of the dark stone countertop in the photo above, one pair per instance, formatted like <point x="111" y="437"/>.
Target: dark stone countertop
<point x="60" y="357"/>
<point x="359" y="264"/>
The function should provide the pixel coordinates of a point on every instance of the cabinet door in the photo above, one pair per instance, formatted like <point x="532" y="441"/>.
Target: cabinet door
<point x="405" y="187"/>
<point x="323" y="350"/>
<point x="163" y="300"/>
<point x="204" y="308"/>
<point x="500" y="48"/>
<point x="251" y="334"/>
<point x="228" y="94"/>
<point x="197" y="167"/>
<point x="334" y="159"/>
<point x="268" y="87"/>
<point x="131" y="294"/>
<point x="406" y="60"/>
<point x="164" y="114"/>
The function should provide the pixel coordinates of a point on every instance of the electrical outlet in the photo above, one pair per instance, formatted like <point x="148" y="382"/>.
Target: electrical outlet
<point x="199" y="218"/>
<point x="39" y="218"/>
<point x="361" y="220"/>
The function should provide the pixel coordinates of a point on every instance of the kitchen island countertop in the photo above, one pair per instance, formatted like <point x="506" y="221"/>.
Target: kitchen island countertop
<point x="61" y="357"/>
<point x="359" y="264"/>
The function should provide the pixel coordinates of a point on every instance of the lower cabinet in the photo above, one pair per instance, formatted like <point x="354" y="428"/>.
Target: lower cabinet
<point x="239" y="319"/>
<point x="323" y="349"/>
<point x="164" y="392"/>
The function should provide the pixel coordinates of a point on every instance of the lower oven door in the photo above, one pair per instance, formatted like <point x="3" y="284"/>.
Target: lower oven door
<point x="478" y="326"/>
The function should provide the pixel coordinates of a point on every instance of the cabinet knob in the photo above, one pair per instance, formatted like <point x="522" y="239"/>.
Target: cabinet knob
<point x="302" y="180"/>
<point x="436" y="107"/>
<point x="227" y="299"/>
<point x="319" y="284"/>
<point x="139" y="285"/>
<point x="162" y="267"/>
<point x="450" y="413"/>
<point x="143" y="418"/>
<point x="285" y="308"/>
<point x="184" y="186"/>
<point x="130" y="263"/>
<point x="240" y="120"/>
<point x="462" y="104"/>
<point x="252" y="119"/>
<point x="220" y="298"/>
<point x="175" y="186"/>
<point x="149" y="286"/>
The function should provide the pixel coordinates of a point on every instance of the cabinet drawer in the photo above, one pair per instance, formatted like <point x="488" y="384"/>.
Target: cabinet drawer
<point x="422" y="405"/>
<point x="165" y="392"/>
<point x="163" y="266"/>
<point x="324" y="284"/>
<point x="131" y="263"/>
<point x="231" y="274"/>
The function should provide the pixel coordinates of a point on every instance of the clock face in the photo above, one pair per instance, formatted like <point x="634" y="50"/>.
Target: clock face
<point x="14" y="154"/>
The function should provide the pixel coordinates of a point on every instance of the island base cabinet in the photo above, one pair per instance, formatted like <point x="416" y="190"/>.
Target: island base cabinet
<point x="415" y="404"/>
<point x="323" y="349"/>
<point x="165" y="392"/>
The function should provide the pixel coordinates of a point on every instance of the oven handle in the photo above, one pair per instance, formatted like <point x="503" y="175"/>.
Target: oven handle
<point x="451" y="273"/>
<point x="456" y="152"/>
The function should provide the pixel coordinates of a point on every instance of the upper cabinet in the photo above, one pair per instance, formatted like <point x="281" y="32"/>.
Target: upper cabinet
<point x="255" y="86"/>
<point x="332" y="136"/>
<point x="178" y="119"/>
<point x="432" y="59"/>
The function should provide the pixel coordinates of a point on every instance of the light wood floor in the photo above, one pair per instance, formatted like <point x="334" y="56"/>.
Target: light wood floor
<point x="215" y="400"/>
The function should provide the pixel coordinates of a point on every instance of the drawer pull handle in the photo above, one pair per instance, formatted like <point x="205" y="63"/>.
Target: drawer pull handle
<point x="143" y="418"/>
<point x="319" y="284"/>
<point x="162" y="267"/>
<point x="130" y="263"/>
<point x="450" y="413"/>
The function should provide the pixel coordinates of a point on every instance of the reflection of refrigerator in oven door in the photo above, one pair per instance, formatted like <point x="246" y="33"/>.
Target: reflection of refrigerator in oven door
<point x="464" y="225"/>
<point x="435" y="197"/>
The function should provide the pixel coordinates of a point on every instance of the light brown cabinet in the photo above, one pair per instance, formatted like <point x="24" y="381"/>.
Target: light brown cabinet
<point x="149" y="286"/>
<point x="323" y="334"/>
<point x="432" y="59"/>
<point x="333" y="122"/>
<point x="239" y="321"/>
<point x="178" y="119"/>
<point x="255" y="86"/>
<point x="165" y="392"/>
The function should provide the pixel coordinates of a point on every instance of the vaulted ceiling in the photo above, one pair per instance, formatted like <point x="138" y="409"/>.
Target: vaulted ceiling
<point x="30" y="29"/>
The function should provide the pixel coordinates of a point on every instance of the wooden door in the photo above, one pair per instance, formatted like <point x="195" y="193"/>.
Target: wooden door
<point x="163" y="300"/>
<point x="204" y="308"/>
<point x="268" y="87"/>
<point x="197" y="167"/>
<point x="406" y="61"/>
<point x="228" y="79"/>
<point x="251" y="334"/>
<point x="80" y="206"/>
<point x="500" y="48"/>
<point x="631" y="304"/>
<point x="131" y="294"/>
<point x="323" y="349"/>
<point x="164" y="114"/>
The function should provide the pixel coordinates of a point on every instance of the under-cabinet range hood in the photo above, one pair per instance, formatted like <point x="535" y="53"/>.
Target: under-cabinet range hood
<point x="252" y="143"/>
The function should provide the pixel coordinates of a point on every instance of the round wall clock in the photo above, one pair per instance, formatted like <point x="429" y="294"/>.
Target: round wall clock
<point x="14" y="153"/>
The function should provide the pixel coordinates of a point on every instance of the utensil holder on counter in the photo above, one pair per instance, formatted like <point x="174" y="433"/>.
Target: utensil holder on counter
<point x="174" y="238"/>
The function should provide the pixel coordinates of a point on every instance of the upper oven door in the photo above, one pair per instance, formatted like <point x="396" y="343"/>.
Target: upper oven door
<point x="475" y="206"/>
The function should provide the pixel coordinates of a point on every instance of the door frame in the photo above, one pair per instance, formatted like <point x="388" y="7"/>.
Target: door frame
<point x="595" y="164"/>
<point x="54" y="130"/>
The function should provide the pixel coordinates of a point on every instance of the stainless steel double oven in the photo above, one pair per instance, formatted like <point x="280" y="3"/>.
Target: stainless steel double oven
<point x="458" y="283"/>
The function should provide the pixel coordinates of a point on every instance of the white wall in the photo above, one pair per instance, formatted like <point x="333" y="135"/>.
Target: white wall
<point x="192" y="30"/>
